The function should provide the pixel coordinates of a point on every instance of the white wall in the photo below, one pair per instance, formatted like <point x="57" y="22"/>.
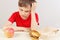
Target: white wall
<point x="6" y="9"/>
<point x="49" y="11"/>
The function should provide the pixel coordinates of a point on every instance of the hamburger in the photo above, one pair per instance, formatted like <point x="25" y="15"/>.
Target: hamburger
<point x="34" y="34"/>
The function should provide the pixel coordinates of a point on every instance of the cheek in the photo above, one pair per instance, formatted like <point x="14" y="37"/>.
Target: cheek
<point x="27" y="13"/>
<point x="21" y="13"/>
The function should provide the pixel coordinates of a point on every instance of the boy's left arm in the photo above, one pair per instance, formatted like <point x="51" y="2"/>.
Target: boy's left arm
<point x="34" y="24"/>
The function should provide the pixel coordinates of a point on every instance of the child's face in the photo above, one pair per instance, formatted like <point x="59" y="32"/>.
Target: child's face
<point x="25" y="11"/>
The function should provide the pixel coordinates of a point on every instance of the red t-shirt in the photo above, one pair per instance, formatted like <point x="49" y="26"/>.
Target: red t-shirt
<point x="21" y="22"/>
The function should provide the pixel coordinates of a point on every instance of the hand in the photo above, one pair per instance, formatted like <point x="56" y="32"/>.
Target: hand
<point x="33" y="7"/>
<point x="5" y="27"/>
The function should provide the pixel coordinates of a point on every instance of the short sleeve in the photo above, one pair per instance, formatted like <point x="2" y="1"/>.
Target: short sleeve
<point x="37" y="18"/>
<point x="12" y="18"/>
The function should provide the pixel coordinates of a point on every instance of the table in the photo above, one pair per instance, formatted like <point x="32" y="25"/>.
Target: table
<point x="51" y="35"/>
<point x="17" y="36"/>
<point x="25" y="36"/>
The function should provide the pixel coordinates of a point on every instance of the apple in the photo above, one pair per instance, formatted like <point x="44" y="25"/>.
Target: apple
<point x="9" y="32"/>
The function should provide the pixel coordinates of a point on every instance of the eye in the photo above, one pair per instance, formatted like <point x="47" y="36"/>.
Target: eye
<point x="26" y="11"/>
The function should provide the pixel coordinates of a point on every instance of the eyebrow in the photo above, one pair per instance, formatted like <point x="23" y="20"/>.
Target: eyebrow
<point x="25" y="11"/>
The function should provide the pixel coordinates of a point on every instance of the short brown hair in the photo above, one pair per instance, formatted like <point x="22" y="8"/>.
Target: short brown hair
<point x="24" y="3"/>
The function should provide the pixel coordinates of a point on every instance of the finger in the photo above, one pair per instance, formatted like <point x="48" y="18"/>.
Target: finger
<point x="34" y="4"/>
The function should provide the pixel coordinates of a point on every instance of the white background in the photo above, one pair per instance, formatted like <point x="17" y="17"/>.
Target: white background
<point x="49" y="11"/>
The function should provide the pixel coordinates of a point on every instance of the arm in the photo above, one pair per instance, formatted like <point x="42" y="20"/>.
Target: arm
<point x="34" y="25"/>
<point x="8" y="24"/>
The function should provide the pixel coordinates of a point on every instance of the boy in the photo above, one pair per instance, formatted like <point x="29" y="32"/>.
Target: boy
<point x="25" y="18"/>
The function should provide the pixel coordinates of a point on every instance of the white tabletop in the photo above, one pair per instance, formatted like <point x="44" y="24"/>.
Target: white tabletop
<point x="52" y="34"/>
<point x="25" y="36"/>
<point x="17" y="36"/>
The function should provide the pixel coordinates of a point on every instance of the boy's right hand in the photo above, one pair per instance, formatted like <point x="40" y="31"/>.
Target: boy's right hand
<point x="5" y="27"/>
